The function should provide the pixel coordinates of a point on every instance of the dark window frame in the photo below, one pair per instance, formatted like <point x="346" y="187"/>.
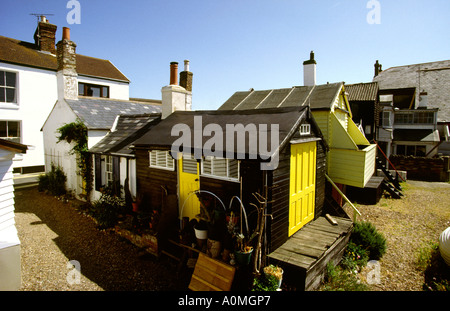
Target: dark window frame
<point x="87" y="87"/>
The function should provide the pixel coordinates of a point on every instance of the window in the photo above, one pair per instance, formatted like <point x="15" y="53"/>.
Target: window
<point x="412" y="150"/>
<point x="161" y="159"/>
<point x="386" y="119"/>
<point x="93" y="90"/>
<point x="219" y="167"/>
<point x="421" y="117"/>
<point x="8" y="87"/>
<point x="10" y="130"/>
<point x="305" y="129"/>
<point x="108" y="171"/>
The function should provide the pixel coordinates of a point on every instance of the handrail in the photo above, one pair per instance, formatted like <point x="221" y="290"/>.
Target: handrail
<point x="355" y="210"/>
<point x="379" y="148"/>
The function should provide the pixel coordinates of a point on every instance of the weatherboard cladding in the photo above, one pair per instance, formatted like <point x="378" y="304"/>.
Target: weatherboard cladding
<point x="100" y="114"/>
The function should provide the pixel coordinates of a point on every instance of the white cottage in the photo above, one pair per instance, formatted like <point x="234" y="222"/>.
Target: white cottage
<point x="10" y="276"/>
<point x="98" y="114"/>
<point x="28" y="89"/>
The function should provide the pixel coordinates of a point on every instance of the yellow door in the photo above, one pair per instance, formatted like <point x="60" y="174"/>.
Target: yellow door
<point x="188" y="182"/>
<point x="302" y="185"/>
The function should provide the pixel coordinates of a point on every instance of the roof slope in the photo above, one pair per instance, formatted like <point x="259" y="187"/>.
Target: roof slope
<point x="287" y="119"/>
<point x="100" y="114"/>
<point x="362" y="91"/>
<point x="317" y="97"/>
<point x="128" y="129"/>
<point x="26" y="54"/>
<point x="433" y="78"/>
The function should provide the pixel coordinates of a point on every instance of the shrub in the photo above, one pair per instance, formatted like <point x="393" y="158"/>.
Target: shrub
<point x="265" y="282"/>
<point x="366" y="235"/>
<point x="107" y="209"/>
<point x="355" y="256"/>
<point x="53" y="181"/>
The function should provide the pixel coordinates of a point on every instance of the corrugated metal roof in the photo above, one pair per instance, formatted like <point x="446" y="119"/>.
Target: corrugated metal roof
<point x="362" y="91"/>
<point x="317" y="97"/>
<point x="98" y="113"/>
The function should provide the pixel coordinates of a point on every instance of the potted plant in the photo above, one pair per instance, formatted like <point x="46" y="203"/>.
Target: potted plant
<point x="275" y="271"/>
<point x="243" y="253"/>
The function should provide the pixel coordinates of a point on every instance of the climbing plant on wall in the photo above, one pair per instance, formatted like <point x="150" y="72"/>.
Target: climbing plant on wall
<point x="77" y="133"/>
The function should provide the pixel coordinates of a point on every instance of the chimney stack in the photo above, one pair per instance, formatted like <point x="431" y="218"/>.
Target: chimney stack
<point x="173" y="73"/>
<point x="174" y="96"/>
<point x="377" y="68"/>
<point x="67" y="64"/>
<point x="309" y="71"/>
<point x="186" y="77"/>
<point x="44" y="36"/>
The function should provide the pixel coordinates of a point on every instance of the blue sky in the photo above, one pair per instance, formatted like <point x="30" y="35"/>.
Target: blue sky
<point x="236" y="45"/>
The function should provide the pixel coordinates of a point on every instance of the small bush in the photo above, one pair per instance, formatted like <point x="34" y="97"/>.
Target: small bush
<point x="339" y="279"/>
<point x="355" y="257"/>
<point x="265" y="282"/>
<point x="53" y="181"/>
<point x="107" y="209"/>
<point x="366" y="235"/>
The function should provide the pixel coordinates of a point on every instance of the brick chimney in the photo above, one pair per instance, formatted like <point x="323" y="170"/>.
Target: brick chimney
<point x="67" y="64"/>
<point x="186" y="77"/>
<point x="44" y="36"/>
<point x="309" y="71"/>
<point x="174" y="96"/>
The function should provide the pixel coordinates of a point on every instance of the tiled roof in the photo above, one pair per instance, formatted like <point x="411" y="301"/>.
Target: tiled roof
<point x="433" y="78"/>
<point x="362" y="91"/>
<point x="318" y="97"/>
<point x="128" y="129"/>
<point x="98" y="113"/>
<point x="26" y="54"/>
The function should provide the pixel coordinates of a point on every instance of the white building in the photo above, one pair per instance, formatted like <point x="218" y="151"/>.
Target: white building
<point x="92" y="104"/>
<point x="10" y="275"/>
<point x="29" y="90"/>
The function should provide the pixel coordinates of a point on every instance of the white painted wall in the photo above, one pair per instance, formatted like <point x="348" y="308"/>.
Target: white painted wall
<point x="117" y="89"/>
<point x="37" y="94"/>
<point x="10" y="274"/>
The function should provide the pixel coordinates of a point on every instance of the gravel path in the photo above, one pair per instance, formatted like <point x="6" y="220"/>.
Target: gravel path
<point x="52" y="233"/>
<point x="408" y="224"/>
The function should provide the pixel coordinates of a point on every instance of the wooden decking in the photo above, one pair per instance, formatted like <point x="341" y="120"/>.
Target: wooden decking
<point x="305" y="255"/>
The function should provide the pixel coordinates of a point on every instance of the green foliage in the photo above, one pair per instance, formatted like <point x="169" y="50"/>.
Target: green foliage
<point x="77" y="132"/>
<point x="355" y="256"/>
<point x="107" y="209"/>
<point x="339" y="279"/>
<point x="366" y="235"/>
<point x="53" y="181"/>
<point x="265" y="282"/>
<point x="436" y="271"/>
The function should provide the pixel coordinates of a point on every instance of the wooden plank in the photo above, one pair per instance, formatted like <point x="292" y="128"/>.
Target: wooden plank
<point x="305" y="250"/>
<point x="334" y="230"/>
<point x="315" y="237"/>
<point x="321" y="233"/>
<point x="210" y="274"/>
<point x="292" y="258"/>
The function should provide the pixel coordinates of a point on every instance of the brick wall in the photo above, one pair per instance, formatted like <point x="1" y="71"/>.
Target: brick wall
<point x="421" y="168"/>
